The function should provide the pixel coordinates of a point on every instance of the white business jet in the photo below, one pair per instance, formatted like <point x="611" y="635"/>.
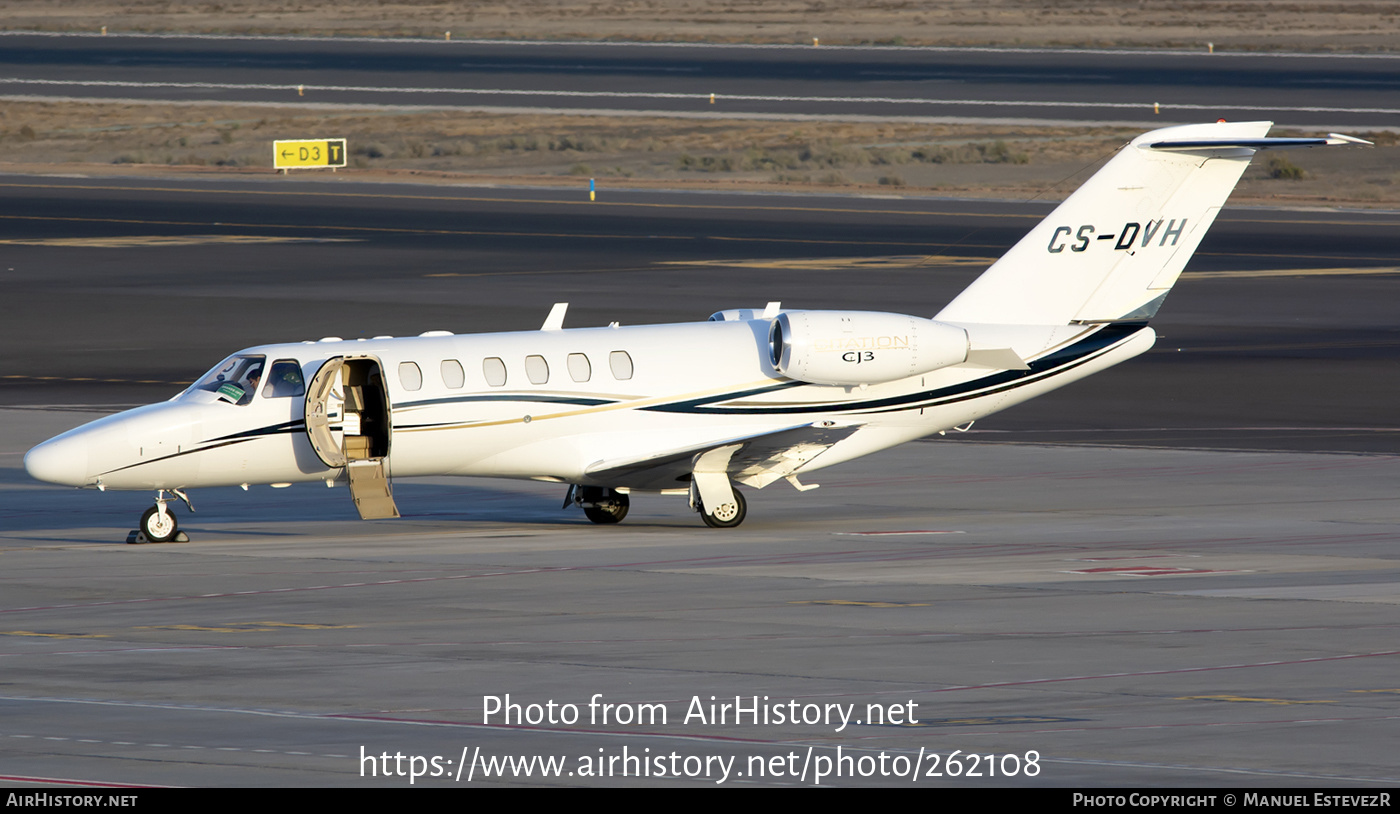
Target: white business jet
<point x="749" y="397"/>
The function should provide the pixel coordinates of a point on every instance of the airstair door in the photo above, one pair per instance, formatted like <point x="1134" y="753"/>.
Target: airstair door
<point x="349" y="423"/>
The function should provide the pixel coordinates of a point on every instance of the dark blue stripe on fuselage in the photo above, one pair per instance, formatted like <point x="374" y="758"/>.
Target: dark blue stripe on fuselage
<point x="272" y="429"/>
<point x="1059" y="361"/>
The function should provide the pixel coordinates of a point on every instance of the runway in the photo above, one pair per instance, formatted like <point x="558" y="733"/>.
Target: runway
<point x="1181" y="572"/>
<point x="1012" y="84"/>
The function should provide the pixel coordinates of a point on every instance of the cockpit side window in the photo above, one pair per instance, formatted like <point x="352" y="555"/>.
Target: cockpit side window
<point x="284" y="380"/>
<point x="235" y="379"/>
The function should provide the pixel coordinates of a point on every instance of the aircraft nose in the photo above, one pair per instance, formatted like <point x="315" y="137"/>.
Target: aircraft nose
<point x="61" y="460"/>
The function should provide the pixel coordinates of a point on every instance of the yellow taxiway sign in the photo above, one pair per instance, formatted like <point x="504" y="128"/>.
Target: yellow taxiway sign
<point x="308" y="153"/>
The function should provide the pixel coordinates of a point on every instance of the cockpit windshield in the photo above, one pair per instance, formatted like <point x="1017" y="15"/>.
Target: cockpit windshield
<point x="234" y="380"/>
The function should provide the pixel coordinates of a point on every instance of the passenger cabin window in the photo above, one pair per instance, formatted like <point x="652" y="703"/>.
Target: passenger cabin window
<point x="410" y="376"/>
<point x="579" y="368"/>
<point x="536" y="369"/>
<point x="235" y="379"/>
<point x="621" y="364"/>
<point x="495" y="371"/>
<point x="284" y="380"/>
<point x="452" y="374"/>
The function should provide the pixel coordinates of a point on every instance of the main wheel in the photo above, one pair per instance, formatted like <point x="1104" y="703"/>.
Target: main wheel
<point x="728" y="515"/>
<point x="158" y="526"/>
<point x="611" y="509"/>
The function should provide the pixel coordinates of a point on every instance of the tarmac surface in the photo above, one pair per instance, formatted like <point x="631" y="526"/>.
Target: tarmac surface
<point x="1134" y="617"/>
<point x="1181" y="572"/>
<point x="1017" y="84"/>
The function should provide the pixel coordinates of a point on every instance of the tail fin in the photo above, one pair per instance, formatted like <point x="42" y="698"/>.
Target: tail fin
<point x="1114" y="248"/>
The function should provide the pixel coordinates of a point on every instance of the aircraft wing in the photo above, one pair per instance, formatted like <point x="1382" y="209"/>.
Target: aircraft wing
<point x="753" y="460"/>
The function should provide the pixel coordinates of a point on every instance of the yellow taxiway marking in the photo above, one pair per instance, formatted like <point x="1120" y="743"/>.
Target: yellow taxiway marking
<point x="1347" y="271"/>
<point x="307" y="626"/>
<point x="529" y="273"/>
<point x="1240" y="218"/>
<point x="1392" y="692"/>
<point x="989" y="721"/>
<point x="861" y="604"/>
<point x="814" y="264"/>
<point x="204" y="629"/>
<point x="899" y="261"/>
<point x="451" y="232"/>
<point x="580" y="201"/>
<point x="15" y="377"/>
<point x="1279" y="701"/>
<point x="1280" y="346"/>
<point x="911" y="261"/>
<point x="811" y="263"/>
<point x="53" y="635"/>
<point x="317" y="227"/>
<point x="167" y="240"/>
<point x="248" y="627"/>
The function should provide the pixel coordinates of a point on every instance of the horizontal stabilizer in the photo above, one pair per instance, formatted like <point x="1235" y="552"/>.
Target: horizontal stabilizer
<point x="1333" y="139"/>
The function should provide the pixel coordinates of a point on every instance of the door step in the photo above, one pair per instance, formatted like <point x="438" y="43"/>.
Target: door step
<point x="370" y="489"/>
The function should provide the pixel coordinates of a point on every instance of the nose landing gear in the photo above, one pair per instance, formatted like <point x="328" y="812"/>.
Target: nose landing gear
<point x="158" y="523"/>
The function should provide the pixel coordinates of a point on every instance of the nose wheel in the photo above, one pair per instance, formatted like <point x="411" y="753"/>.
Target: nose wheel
<point x="159" y="525"/>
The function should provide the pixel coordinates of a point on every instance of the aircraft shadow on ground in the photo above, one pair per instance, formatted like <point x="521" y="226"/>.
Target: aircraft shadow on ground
<point x="36" y="508"/>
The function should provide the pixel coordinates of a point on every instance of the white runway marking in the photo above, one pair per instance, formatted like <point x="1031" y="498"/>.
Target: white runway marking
<point x="698" y="97"/>
<point x="754" y="46"/>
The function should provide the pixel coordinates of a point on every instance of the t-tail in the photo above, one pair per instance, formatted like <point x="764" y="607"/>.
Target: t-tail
<point x="1113" y="249"/>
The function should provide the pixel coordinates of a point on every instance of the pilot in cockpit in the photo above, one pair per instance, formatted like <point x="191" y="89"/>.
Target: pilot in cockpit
<point x="250" y="383"/>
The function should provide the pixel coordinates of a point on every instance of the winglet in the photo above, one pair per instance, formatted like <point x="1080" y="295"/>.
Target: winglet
<point x="555" y="320"/>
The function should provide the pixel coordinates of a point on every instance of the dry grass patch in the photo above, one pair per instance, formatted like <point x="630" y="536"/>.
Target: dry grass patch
<point x="1232" y="24"/>
<point x="1004" y="161"/>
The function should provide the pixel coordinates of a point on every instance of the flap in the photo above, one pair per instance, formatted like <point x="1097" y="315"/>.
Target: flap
<point x="756" y="460"/>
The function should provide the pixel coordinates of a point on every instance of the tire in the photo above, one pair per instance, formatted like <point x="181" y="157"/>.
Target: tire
<point x="610" y="510"/>
<point x="729" y="519"/>
<point x="158" y="527"/>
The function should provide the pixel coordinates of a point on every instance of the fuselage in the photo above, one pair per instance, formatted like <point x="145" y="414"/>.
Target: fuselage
<point x="550" y="405"/>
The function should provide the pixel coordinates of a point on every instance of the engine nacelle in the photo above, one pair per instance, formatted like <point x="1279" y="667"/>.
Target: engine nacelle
<point x="861" y="347"/>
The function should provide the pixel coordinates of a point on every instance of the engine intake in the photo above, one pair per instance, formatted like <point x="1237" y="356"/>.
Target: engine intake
<point x="861" y="347"/>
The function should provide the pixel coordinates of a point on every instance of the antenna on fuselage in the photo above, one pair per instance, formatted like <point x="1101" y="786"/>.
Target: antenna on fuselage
<point x="555" y="320"/>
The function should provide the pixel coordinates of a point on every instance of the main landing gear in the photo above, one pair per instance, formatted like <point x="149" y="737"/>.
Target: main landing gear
<point x="726" y="515"/>
<point x="158" y="523"/>
<point x="713" y="495"/>
<point x="602" y="506"/>
<point x="607" y="506"/>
